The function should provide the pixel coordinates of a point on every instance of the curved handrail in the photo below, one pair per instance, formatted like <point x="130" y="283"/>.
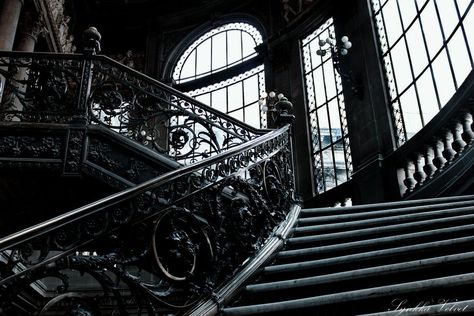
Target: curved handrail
<point x="64" y="88"/>
<point x="114" y="199"/>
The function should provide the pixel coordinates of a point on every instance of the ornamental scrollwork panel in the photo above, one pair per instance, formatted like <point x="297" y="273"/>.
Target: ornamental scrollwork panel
<point x="122" y="162"/>
<point x="29" y="146"/>
<point x="39" y="89"/>
<point x="164" y="248"/>
<point x="158" y="118"/>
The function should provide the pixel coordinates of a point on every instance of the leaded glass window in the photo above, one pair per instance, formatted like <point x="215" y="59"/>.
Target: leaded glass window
<point x="326" y="113"/>
<point x="427" y="48"/>
<point x="223" y="70"/>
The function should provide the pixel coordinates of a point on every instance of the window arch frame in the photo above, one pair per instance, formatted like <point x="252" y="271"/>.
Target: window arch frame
<point x="218" y="78"/>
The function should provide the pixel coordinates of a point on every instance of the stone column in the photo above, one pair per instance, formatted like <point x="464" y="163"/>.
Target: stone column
<point x="9" y="16"/>
<point x="29" y="29"/>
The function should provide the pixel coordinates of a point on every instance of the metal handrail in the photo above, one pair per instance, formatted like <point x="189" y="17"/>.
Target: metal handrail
<point x="94" y="207"/>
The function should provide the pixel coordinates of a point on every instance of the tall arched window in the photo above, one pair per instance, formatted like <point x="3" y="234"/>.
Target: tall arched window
<point x="332" y="161"/>
<point x="427" y="50"/>
<point x="223" y="70"/>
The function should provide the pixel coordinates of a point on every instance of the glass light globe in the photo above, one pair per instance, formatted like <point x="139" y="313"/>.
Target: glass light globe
<point x="264" y="108"/>
<point x="263" y="96"/>
<point x="272" y="94"/>
<point x="280" y="96"/>
<point x="261" y="102"/>
<point x="143" y="133"/>
<point x="347" y="45"/>
<point x="322" y="42"/>
<point x="329" y="40"/>
<point x="343" y="51"/>
<point x="344" y="39"/>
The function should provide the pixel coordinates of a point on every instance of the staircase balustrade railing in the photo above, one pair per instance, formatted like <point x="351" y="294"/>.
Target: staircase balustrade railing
<point x="441" y="145"/>
<point x="85" y="89"/>
<point x="161" y="244"/>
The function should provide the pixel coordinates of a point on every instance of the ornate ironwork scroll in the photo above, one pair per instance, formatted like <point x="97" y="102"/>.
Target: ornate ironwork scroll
<point x="156" y="247"/>
<point x="159" y="117"/>
<point x="39" y="87"/>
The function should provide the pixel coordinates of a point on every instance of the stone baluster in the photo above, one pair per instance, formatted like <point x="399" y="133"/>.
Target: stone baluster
<point x="467" y="134"/>
<point x="419" y="175"/>
<point x="429" y="167"/>
<point x="458" y="143"/>
<point x="409" y="181"/>
<point x="449" y="153"/>
<point x="439" y="161"/>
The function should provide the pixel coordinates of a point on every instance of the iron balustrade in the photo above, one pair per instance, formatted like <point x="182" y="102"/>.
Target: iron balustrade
<point x="82" y="89"/>
<point x="189" y="228"/>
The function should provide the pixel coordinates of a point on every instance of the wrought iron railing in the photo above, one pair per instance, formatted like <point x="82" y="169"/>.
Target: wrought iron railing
<point x="160" y="244"/>
<point x="60" y="88"/>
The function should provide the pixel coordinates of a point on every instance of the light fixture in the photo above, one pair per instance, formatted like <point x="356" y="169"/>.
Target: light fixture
<point x="338" y="50"/>
<point x="278" y="106"/>
<point x="334" y="48"/>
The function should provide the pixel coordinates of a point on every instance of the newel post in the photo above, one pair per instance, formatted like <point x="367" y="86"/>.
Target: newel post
<point x="91" y="40"/>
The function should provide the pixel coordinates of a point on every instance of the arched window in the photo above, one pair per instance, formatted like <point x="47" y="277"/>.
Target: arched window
<point x="331" y="154"/>
<point x="223" y="70"/>
<point x="427" y="50"/>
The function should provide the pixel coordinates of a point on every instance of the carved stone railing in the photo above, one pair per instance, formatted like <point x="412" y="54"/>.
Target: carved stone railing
<point x="441" y="145"/>
<point x="83" y="89"/>
<point x="157" y="246"/>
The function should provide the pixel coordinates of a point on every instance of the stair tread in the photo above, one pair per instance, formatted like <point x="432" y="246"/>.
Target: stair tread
<point x="348" y="296"/>
<point x="361" y="273"/>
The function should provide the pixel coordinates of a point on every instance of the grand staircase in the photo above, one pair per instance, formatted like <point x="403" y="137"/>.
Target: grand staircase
<point x="413" y="257"/>
<point x="196" y="210"/>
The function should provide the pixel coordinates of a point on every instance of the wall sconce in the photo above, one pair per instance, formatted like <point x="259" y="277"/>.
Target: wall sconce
<point x="337" y="50"/>
<point x="278" y="106"/>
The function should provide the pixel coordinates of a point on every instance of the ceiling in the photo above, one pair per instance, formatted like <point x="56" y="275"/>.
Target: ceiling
<point x="124" y="24"/>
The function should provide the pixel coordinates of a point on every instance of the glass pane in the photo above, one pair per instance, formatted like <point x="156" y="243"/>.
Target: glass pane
<point x="219" y="100"/>
<point x="341" y="173"/>
<point x="427" y="94"/>
<point x="336" y="130"/>
<point x="323" y="121"/>
<point x="443" y="78"/>
<point x="416" y="47"/>
<point x="219" y="51"/>
<point x="248" y="45"/>
<point x="315" y="59"/>
<point x="189" y="69"/>
<point x="411" y="114"/>
<point x="448" y="15"/>
<point x="252" y="115"/>
<point x="462" y="5"/>
<point x="319" y="86"/>
<point x="393" y="26"/>
<point x="432" y="29"/>
<point x="204" y="57"/>
<point x="459" y="57"/>
<point x="234" y="94"/>
<point x="408" y="10"/>
<point x="468" y="23"/>
<point x="251" y="94"/>
<point x="238" y="115"/>
<point x="204" y="98"/>
<point x="329" y="172"/>
<point x="401" y="66"/>
<point x="329" y="79"/>
<point x="234" y="45"/>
